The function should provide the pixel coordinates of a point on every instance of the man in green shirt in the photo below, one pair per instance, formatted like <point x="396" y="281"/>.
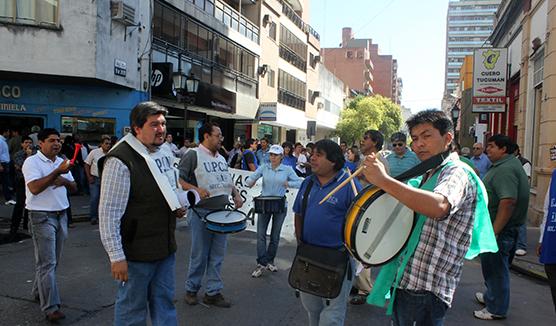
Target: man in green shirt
<point x="508" y="201"/>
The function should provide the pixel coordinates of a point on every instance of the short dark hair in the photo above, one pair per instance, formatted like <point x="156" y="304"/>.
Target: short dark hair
<point x="310" y="145"/>
<point x="376" y="136"/>
<point x="290" y="145"/>
<point x="249" y="142"/>
<point x="298" y="144"/>
<point x="437" y="118"/>
<point x="503" y="141"/>
<point x="46" y="132"/>
<point x="343" y="142"/>
<point x="141" y="113"/>
<point x="206" y="128"/>
<point x="398" y="136"/>
<point x="332" y="151"/>
<point x="24" y="138"/>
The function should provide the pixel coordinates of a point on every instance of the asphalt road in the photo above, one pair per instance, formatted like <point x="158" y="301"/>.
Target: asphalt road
<point x="87" y="289"/>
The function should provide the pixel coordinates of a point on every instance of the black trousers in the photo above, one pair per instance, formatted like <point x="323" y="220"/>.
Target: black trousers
<point x="550" y="270"/>
<point x="19" y="211"/>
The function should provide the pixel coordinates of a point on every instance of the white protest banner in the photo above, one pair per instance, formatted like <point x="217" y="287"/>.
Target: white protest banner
<point x="238" y="178"/>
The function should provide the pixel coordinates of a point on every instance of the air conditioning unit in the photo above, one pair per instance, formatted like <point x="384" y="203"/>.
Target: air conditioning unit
<point x="267" y="19"/>
<point x="316" y="94"/>
<point x="122" y="12"/>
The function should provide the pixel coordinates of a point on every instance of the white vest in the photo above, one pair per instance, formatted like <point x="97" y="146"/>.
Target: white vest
<point x="212" y="174"/>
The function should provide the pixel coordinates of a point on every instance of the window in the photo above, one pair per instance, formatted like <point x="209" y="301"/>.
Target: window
<point x="291" y="91"/>
<point x="292" y="49"/>
<point x="272" y="31"/>
<point x="270" y="77"/>
<point x="349" y="54"/>
<point x="360" y="54"/>
<point x="30" y="12"/>
<point x="91" y="129"/>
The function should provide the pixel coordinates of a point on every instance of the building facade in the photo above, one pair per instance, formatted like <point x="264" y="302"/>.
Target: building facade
<point x="77" y="66"/>
<point x="469" y="23"/>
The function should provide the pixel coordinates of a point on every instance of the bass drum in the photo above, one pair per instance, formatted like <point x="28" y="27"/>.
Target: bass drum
<point x="377" y="227"/>
<point x="226" y="221"/>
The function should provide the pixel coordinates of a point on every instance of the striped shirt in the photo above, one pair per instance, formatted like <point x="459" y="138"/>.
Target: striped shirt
<point x="436" y="265"/>
<point x="400" y="164"/>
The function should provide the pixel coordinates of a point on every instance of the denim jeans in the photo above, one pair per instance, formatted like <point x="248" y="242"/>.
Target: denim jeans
<point x="418" y="308"/>
<point x="496" y="272"/>
<point x="266" y="255"/>
<point x="49" y="232"/>
<point x="334" y="313"/>
<point x="522" y="237"/>
<point x="207" y="255"/>
<point x="94" y="189"/>
<point x="150" y="285"/>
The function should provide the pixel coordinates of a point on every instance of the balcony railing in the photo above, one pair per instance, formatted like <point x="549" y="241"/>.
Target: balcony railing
<point x="294" y="17"/>
<point x="290" y="99"/>
<point x="293" y="58"/>
<point x="230" y="17"/>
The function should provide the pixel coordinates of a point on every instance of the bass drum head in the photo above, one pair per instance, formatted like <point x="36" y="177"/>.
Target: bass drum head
<point x="382" y="230"/>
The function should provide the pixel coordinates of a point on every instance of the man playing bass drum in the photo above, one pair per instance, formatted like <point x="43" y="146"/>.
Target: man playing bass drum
<point x="445" y="202"/>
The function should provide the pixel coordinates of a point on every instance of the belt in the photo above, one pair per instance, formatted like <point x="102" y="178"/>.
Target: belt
<point x="57" y="213"/>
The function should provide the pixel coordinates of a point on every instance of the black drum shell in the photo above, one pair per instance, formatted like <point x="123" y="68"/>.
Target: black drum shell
<point x="269" y="204"/>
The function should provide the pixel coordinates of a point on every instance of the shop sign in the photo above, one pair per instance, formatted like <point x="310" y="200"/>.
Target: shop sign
<point x="268" y="112"/>
<point x="11" y="107"/>
<point x="161" y="79"/>
<point x="553" y="153"/>
<point x="489" y="80"/>
<point x="120" y="68"/>
<point x="216" y="98"/>
<point x="10" y="91"/>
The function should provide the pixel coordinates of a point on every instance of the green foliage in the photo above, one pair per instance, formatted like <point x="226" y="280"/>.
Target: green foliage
<point x="364" y="113"/>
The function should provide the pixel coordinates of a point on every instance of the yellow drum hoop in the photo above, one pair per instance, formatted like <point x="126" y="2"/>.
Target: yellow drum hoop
<point x="353" y="212"/>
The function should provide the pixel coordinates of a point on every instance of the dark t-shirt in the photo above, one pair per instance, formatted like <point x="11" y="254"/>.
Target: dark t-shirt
<point x="249" y="158"/>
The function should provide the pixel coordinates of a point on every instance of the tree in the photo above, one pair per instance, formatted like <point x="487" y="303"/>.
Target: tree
<point x="364" y="113"/>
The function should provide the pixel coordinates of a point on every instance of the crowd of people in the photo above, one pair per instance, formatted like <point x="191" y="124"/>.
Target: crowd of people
<point x="137" y="193"/>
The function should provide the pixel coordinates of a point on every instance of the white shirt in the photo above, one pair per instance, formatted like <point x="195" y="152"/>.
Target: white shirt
<point x="171" y="147"/>
<point x="301" y="160"/>
<point x="92" y="160"/>
<point x="52" y="198"/>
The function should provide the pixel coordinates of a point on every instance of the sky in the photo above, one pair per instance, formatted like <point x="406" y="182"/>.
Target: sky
<point x="413" y="31"/>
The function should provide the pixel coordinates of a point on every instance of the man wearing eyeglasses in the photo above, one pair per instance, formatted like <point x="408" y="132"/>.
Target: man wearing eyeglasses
<point x="401" y="159"/>
<point x="480" y="159"/>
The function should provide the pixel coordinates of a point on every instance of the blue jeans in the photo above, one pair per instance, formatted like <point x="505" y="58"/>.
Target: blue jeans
<point x="94" y="189"/>
<point x="150" y="285"/>
<point x="522" y="237"/>
<point x="334" y="313"/>
<point x="266" y="255"/>
<point x="418" y="308"/>
<point x="49" y="232"/>
<point x="496" y="272"/>
<point x="207" y="255"/>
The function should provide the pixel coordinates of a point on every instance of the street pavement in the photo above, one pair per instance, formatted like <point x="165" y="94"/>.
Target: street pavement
<point x="87" y="289"/>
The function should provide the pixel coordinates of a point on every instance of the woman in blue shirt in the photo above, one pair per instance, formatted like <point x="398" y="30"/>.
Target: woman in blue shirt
<point x="277" y="177"/>
<point x="289" y="159"/>
<point x="352" y="159"/>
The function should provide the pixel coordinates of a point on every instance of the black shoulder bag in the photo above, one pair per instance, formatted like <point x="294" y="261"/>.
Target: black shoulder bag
<point x="318" y="270"/>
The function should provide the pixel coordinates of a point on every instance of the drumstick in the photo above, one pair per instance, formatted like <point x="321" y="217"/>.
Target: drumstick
<point x="341" y="185"/>
<point x="352" y="183"/>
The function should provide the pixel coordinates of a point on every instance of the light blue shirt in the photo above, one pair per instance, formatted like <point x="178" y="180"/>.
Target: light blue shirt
<point x="482" y="163"/>
<point x="4" y="151"/>
<point x="274" y="180"/>
<point x="263" y="156"/>
<point x="399" y="164"/>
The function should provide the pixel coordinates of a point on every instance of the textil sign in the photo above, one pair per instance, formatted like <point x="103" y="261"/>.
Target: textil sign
<point x="489" y="80"/>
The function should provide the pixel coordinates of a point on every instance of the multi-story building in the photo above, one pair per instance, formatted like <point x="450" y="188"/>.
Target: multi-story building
<point x="333" y="94"/>
<point x="468" y="26"/>
<point x="78" y="66"/>
<point x="218" y="43"/>
<point x="359" y="64"/>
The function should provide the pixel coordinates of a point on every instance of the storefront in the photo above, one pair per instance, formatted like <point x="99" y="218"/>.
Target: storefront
<point x="88" y="110"/>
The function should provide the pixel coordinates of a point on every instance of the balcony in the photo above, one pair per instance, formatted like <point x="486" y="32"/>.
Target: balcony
<point x="229" y="17"/>
<point x="368" y="75"/>
<point x="369" y="64"/>
<point x="294" y="17"/>
<point x="291" y="57"/>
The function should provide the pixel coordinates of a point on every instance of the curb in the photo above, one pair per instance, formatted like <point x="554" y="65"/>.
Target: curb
<point x="527" y="268"/>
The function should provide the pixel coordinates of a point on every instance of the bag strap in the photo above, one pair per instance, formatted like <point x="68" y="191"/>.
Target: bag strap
<point x="304" y="204"/>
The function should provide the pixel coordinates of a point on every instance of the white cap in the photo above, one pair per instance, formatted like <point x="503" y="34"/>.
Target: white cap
<point x="276" y="149"/>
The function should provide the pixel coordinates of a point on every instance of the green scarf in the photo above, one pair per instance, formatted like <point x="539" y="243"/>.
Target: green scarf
<point x="482" y="240"/>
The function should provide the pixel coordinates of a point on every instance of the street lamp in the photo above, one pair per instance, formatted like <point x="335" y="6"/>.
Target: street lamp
<point x="187" y="87"/>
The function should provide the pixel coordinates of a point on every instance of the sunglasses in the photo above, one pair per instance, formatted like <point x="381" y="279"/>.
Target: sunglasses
<point x="398" y="145"/>
<point x="476" y="148"/>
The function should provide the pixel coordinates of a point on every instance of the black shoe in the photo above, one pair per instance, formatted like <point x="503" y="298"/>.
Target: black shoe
<point x="55" y="316"/>
<point x="191" y="298"/>
<point x="217" y="300"/>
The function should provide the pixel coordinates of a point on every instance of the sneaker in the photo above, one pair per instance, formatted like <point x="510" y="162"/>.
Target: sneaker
<point x="11" y="202"/>
<point x="520" y="252"/>
<point x="217" y="300"/>
<point x="55" y="316"/>
<point x="480" y="297"/>
<point x="258" y="271"/>
<point x="272" y="268"/>
<point x="358" y="299"/>
<point x="191" y="298"/>
<point x="485" y="315"/>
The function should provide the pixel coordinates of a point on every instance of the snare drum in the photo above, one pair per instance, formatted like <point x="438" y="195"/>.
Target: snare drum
<point x="269" y="204"/>
<point x="226" y="221"/>
<point x="377" y="227"/>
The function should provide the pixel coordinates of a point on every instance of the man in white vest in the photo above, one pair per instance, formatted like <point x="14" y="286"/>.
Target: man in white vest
<point x="203" y="169"/>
